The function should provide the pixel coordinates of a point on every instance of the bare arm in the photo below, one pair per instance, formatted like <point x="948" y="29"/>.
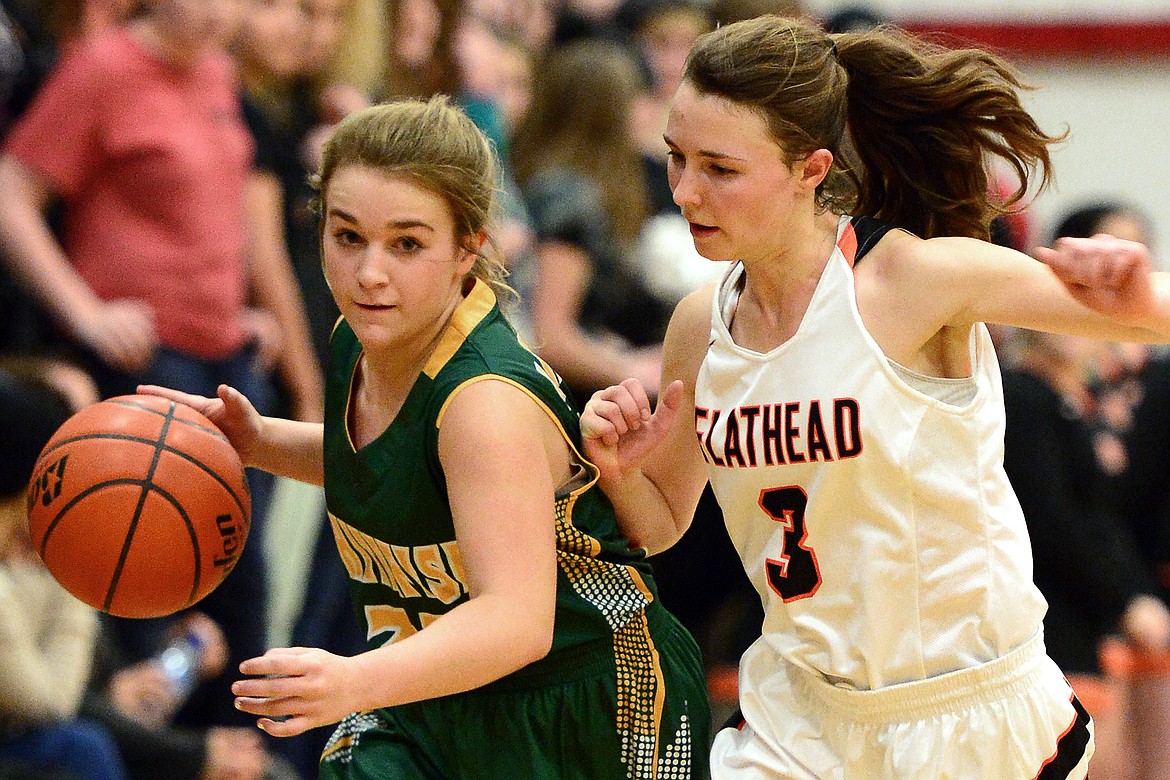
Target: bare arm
<point x="275" y="288"/>
<point x="651" y="466"/>
<point x="121" y="332"/>
<point x="287" y="448"/>
<point x="912" y="290"/>
<point x="499" y="452"/>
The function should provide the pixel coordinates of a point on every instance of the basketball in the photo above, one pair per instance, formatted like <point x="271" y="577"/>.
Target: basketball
<point x="139" y="506"/>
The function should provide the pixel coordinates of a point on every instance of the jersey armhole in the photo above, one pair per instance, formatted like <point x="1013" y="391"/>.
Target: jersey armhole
<point x="577" y="455"/>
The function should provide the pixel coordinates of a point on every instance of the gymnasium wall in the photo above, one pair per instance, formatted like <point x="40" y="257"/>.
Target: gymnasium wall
<point x="1104" y="71"/>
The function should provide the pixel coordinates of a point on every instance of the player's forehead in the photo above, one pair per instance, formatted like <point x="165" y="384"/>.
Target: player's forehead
<point x="373" y="196"/>
<point x="712" y="125"/>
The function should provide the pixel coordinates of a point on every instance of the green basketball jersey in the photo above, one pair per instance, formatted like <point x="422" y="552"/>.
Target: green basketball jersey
<point x="392" y="522"/>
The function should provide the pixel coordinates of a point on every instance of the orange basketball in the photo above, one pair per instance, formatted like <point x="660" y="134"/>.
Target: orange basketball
<point x="139" y="506"/>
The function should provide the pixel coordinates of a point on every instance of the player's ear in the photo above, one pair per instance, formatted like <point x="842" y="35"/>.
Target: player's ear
<point x="472" y="248"/>
<point x="813" y="169"/>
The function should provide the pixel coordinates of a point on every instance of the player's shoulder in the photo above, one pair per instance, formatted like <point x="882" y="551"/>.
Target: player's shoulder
<point x="688" y="335"/>
<point x="692" y="315"/>
<point x="901" y="255"/>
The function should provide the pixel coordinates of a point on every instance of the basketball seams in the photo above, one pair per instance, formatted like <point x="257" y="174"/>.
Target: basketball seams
<point x="89" y="491"/>
<point x="153" y="442"/>
<point x="169" y="497"/>
<point x="198" y="567"/>
<point x="231" y="491"/>
<point x="55" y="445"/>
<point x="169" y="413"/>
<point x="148" y="483"/>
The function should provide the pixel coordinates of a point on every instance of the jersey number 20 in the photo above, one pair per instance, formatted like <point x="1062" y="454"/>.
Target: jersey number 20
<point x="794" y="573"/>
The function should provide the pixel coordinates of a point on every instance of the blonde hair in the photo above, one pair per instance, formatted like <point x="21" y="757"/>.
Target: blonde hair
<point x="440" y="148"/>
<point x="911" y="124"/>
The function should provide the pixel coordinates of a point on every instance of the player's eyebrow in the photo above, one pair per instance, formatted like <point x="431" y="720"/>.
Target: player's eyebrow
<point x="400" y="224"/>
<point x="707" y="153"/>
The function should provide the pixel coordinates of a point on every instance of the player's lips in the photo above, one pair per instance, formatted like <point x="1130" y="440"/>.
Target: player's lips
<point x="373" y="306"/>
<point x="701" y="231"/>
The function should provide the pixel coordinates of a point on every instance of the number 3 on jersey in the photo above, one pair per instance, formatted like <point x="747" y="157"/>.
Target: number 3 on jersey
<point x="794" y="573"/>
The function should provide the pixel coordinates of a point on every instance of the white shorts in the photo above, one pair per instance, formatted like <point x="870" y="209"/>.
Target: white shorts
<point x="1014" y="718"/>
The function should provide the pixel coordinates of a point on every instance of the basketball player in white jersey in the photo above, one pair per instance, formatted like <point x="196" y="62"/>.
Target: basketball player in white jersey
<point x="841" y="393"/>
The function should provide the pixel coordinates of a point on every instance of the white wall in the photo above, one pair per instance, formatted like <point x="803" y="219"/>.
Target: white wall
<point x="1118" y="110"/>
<point x="1119" y="117"/>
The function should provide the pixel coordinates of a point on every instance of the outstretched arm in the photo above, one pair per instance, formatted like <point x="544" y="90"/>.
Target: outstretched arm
<point x="919" y="298"/>
<point x="287" y="448"/>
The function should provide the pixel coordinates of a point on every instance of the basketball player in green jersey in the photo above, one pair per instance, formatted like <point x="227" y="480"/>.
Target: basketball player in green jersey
<point x="513" y="633"/>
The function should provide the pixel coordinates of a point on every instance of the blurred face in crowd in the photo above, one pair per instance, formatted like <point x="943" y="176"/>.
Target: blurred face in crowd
<point x="272" y="37"/>
<point x="666" y="40"/>
<point x="515" y="82"/>
<point x="478" y="52"/>
<point x="418" y="30"/>
<point x="325" y="20"/>
<point x="188" y="29"/>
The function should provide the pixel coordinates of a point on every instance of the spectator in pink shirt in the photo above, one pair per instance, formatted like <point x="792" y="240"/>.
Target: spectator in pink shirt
<point x="138" y="133"/>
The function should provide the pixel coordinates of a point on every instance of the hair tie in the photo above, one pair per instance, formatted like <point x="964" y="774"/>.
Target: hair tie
<point x="833" y="48"/>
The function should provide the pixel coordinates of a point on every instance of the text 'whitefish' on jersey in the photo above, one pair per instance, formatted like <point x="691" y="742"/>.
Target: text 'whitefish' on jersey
<point x="779" y="434"/>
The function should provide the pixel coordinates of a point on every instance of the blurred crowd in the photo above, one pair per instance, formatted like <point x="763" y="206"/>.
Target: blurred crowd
<point x="157" y="225"/>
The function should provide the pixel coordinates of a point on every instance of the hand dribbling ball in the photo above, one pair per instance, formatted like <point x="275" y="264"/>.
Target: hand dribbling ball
<point x="139" y="506"/>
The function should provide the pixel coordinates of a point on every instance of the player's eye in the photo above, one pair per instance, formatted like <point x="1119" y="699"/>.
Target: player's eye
<point x="408" y="244"/>
<point x="346" y="237"/>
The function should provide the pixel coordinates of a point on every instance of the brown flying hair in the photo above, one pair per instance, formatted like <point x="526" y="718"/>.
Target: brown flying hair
<point x="913" y="126"/>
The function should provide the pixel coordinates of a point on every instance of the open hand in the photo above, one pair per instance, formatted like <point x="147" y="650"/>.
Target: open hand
<point x="295" y="689"/>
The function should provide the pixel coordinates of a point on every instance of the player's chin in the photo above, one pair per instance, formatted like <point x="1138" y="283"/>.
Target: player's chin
<point x="714" y="248"/>
<point x="373" y="334"/>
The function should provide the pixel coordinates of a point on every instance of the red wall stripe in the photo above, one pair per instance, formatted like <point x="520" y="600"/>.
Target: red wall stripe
<point x="1099" y="40"/>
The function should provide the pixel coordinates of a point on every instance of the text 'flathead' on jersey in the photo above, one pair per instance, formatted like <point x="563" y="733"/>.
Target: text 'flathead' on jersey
<point x="779" y="434"/>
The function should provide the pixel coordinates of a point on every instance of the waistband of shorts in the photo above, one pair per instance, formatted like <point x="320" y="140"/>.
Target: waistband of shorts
<point x="991" y="681"/>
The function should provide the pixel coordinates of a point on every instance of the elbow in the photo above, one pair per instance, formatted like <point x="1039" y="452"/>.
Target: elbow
<point x="538" y="645"/>
<point x="532" y="639"/>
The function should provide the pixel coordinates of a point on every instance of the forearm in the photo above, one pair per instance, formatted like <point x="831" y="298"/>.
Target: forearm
<point x="584" y="360"/>
<point x="485" y="639"/>
<point x="643" y="512"/>
<point x="302" y="376"/>
<point x="37" y="260"/>
<point x="290" y="448"/>
<point x="275" y="288"/>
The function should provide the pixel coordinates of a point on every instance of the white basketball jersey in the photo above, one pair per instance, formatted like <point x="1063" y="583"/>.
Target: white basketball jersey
<point x="875" y="520"/>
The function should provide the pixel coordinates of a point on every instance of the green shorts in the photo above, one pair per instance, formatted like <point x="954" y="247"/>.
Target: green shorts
<point x="577" y="720"/>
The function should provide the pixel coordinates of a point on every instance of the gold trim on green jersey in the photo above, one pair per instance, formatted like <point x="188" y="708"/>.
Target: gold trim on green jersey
<point x="469" y="313"/>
